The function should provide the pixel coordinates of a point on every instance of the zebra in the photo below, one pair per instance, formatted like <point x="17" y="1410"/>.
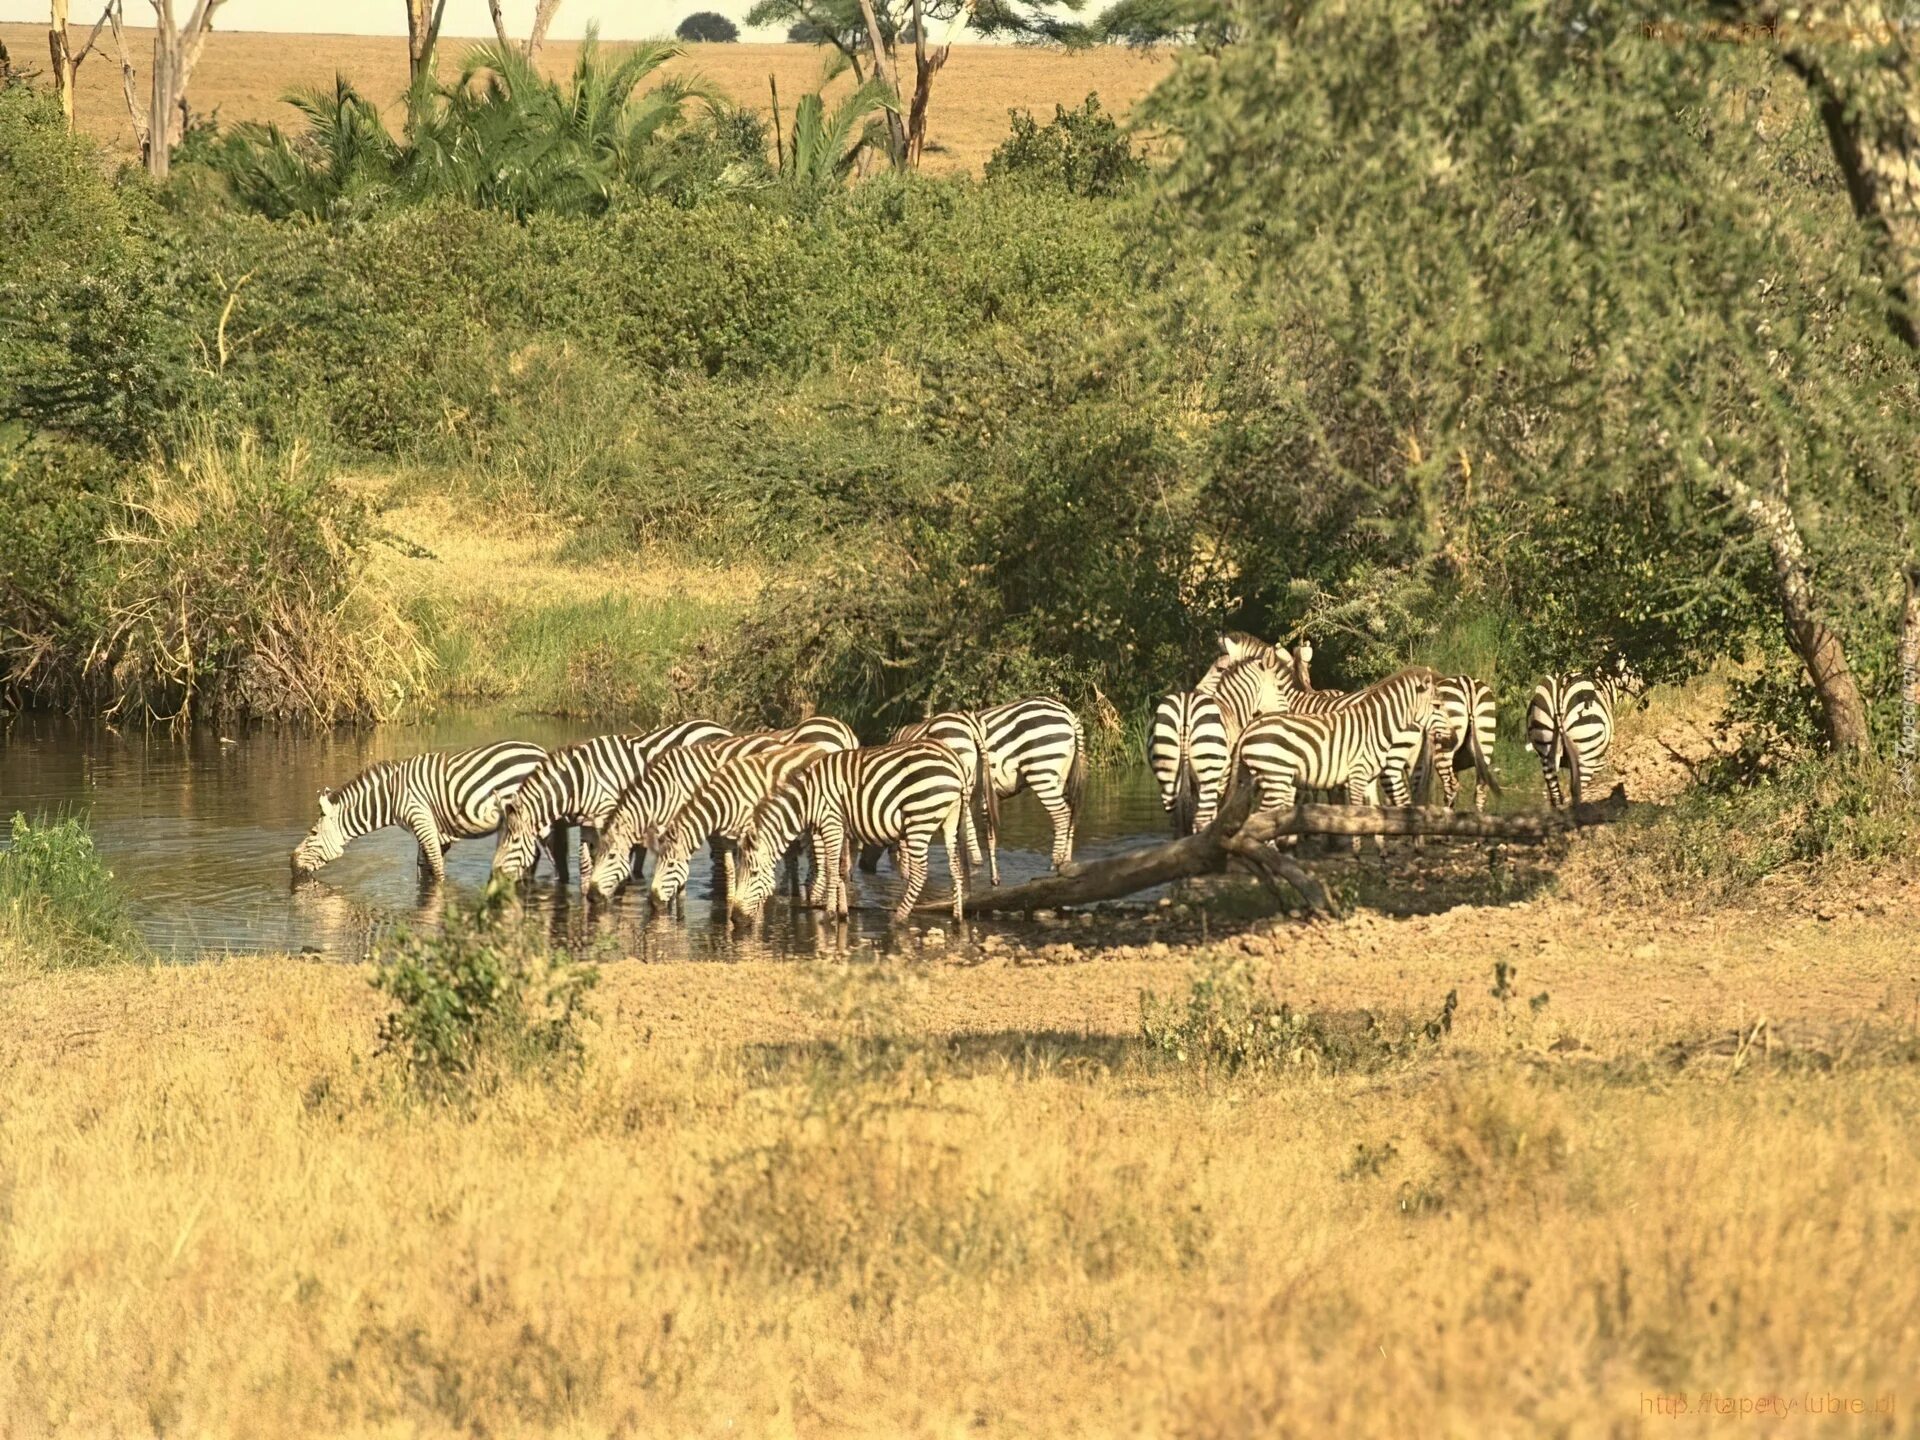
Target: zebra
<point x="1187" y="750"/>
<point x="897" y="795"/>
<point x="1464" y="726"/>
<point x="1032" y="744"/>
<point x="1377" y="734"/>
<point x="1570" y="726"/>
<point x="440" y="796"/>
<point x="579" y="785"/>
<point x="965" y="735"/>
<point x="646" y="806"/>
<point x="722" y="808"/>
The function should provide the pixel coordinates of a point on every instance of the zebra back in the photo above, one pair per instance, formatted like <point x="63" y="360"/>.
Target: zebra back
<point x="1337" y="746"/>
<point x="1187" y="749"/>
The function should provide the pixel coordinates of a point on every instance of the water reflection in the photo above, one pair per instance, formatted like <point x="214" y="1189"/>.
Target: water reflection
<point x="199" y="830"/>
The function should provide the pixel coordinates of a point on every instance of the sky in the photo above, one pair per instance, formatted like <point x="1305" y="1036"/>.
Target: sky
<point x="619" y="19"/>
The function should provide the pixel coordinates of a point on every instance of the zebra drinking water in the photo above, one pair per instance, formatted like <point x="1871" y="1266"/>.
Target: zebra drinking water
<point x="646" y="807"/>
<point x="579" y="785"/>
<point x="440" y="796"/>
<point x="893" y="795"/>
<point x="721" y="810"/>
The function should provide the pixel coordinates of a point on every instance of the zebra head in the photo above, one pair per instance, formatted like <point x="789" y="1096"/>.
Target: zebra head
<point x="518" y="848"/>
<point x="673" y="859"/>
<point x="324" y="841"/>
<point x="763" y="839"/>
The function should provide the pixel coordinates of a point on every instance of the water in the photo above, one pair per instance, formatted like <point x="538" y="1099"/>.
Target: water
<point x="198" y="831"/>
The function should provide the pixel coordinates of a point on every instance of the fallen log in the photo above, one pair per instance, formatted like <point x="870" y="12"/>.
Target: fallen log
<point x="1236" y="839"/>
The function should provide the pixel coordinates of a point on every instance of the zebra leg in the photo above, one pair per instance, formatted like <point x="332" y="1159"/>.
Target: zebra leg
<point x="837" y="856"/>
<point x="954" y="863"/>
<point x="1053" y="799"/>
<point x="870" y="858"/>
<point x="913" y="856"/>
<point x="556" y="850"/>
<point x="432" y="853"/>
<point x="1574" y="767"/>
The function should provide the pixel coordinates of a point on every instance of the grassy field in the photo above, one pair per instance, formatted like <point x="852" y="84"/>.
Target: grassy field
<point x="958" y="1196"/>
<point x="243" y="75"/>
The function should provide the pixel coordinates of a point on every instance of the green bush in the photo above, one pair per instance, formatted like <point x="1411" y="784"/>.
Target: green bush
<point x="56" y="500"/>
<point x="60" y="907"/>
<point x="1229" y="1023"/>
<point x="1083" y="151"/>
<point x="234" y="589"/>
<point x="482" y="1001"/>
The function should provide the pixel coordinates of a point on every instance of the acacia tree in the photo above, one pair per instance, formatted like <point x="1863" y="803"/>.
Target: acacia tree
<point x="66" y="60"/>
<point x="708" y="27"/>
<point x="1527" y="298"/>
<point x="869" y="33"/>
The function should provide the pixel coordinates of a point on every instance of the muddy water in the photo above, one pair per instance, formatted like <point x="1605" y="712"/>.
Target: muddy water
<point x="198" y="832"/>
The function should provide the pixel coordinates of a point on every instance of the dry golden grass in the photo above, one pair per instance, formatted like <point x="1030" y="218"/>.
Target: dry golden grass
<point x="220" y="1217"/>
<point x="243" y="76"/>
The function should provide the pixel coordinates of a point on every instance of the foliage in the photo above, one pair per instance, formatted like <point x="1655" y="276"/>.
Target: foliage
<point x="1083" y="151"/>
<point x="826" y="144"/>
<point x="707" y="27"/>
<point x="56" y="499"/>
<point x="483" y="1000"/>
<point x="1230" y="1024"/>
<point x="234" y="590"/>
<point x="59" y="905"/>
<point x="841" y="23"/>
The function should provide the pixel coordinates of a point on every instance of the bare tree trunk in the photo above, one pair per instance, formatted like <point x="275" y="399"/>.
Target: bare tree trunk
<point x="1235" y="839"/>
<point x="1843" y="711"/>
<point x="176" y="50"/>
<point x="884" y="68"/>
<point x="925" y="67"/>
<point x="423" y="33"/>
<point x="129" y="81"/>
<point x="60" y="51"/>
<point x="499" y="24"/>
<point x="1862" y="65"/>
<point x="1909" y="745"/>
<point x="542" y="18"/>
<point x="779" y="135"/>
<point x="6" y="66"/>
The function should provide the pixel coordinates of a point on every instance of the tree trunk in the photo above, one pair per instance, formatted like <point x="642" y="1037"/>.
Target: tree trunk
<point x="176" y="50"/>
<point x="60" y="51"/>
<point x="423" y="33"/>
<point x="1235" y="839"/>
<point x="1843" y="712"/>
<point x="884" y="68"/>
<point x="925" y="67"/>
<point x="1909" y="747"/>
<point x="1862" y="66"/>
<point x="542" y="18"/>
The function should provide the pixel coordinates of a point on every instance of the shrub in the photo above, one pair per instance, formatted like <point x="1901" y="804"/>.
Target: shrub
<point x="484" y="1000"/>
<point x="59" y="904"/>
<point x="1229" y="1023"/>
<point x="1083" y="151"/>
<point x="235" y="591"/>
<point x="56" y="498"/>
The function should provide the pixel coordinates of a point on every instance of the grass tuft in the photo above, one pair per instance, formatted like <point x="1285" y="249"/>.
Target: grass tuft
<point x="60" y="908"/>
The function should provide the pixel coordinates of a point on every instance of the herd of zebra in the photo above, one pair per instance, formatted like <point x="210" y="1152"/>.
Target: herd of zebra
<point x="753" y="799"/>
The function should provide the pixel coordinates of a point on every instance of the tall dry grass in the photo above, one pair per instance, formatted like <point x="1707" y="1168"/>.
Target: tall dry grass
<point x="940" y="1200"/>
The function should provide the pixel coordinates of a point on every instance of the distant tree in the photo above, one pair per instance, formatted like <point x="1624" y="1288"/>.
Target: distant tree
<point x="158" y="126"/>
<point x="708" y="27"/>
<point x="869" y="34"/>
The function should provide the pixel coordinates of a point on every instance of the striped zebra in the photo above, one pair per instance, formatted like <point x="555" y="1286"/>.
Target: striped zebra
<point x="1464" y="726"/>
<point x="440" y="796"/>
<point x="722" y="808"/>
<point x="1187" y="750"/>
<point x="579" y="785"/>
<point x="894" y="795"/>
<point x="1377" y="734"/>
<point x="1570" y="726"/>
<point x="645" y="807"/>
<point x="963" y="733"/>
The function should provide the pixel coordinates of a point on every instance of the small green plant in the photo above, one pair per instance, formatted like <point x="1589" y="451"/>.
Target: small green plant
<point x="59" y="904"/>
<point x="483" y="1000"/>
<point x="1230" y="1023"/>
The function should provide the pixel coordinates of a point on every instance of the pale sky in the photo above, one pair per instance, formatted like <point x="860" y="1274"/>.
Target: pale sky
<point x="619" y="19"/>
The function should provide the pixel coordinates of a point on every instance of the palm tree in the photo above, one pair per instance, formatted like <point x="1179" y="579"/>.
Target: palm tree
<point x="344" y="159"/>
<point x="827" y="144"/>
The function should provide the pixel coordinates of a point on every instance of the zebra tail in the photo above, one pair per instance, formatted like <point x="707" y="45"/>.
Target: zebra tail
<point x="1186" y="798"/>
<point x="1076" y="787"/>
<point x="1482" y="766"/>
<point x="989" y="793"/>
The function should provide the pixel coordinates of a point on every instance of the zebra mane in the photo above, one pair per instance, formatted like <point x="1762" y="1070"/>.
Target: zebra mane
<point x="377" y="776"/>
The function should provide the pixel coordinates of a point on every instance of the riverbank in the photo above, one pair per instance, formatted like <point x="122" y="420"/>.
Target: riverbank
<point x="1655" y="1155"/>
